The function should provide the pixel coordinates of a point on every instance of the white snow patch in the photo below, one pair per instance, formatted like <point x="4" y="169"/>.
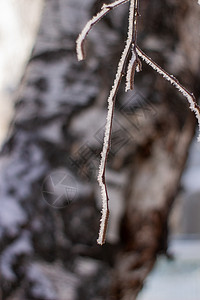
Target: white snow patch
<point x="21" y="246"/>
<point x="86" y="266"/>
<point x="12" y="216"/>
<point x="190" y="178"/>
<point x="41" y="286"/>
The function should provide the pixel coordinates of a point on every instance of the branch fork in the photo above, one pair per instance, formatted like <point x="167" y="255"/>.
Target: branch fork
<point x="134" y="52"/>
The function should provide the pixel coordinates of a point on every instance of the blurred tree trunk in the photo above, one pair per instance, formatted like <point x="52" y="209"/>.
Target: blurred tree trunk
<point x="50" y="210"/>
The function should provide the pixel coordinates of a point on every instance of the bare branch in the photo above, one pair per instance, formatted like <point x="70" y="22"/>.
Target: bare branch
<point x="131" y="72"/>
<point x="189" y="96"/>
<point x="133" y="65"/>
<point x="134" y="61"/>
<point x="81" y="38"/>
<point x="108" y="128"/>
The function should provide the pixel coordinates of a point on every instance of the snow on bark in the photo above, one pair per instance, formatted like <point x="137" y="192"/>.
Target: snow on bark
<point x="21" y="246"/>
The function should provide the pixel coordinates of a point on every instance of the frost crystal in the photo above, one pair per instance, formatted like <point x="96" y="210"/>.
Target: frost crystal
<point x="107" y="134"/>
<point x="189" y="96"/>
<point x="134" y="64"/>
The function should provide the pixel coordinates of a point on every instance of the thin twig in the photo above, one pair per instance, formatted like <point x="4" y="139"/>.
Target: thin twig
<point x="134" y="64"/>
<point x="134" y="61"/>
<point x="108" y="128"/>
<point x="81" y="38"/>
<point x="189" y="96"/>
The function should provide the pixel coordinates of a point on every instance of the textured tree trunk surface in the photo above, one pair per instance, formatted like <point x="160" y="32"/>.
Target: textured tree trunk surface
<point x="48" y="242"/>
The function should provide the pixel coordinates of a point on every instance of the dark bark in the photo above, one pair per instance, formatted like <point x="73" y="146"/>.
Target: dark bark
<point x="51" y="253"/>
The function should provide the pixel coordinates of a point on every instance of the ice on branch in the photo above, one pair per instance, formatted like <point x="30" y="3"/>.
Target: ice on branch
<point x="108" y="128"/>
<point x="104" y="10"/>
<point x="189" y="96"/>
<point x="131" y="72"/>
<point x="134" y="64"/>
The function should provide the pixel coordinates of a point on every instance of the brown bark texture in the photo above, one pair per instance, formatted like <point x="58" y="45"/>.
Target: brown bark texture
<point x="50" y="202"/>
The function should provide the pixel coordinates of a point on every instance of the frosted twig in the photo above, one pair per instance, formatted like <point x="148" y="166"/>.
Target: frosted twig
<point x="189" y="96"/>
<point x="131" y="72"/>
<point x="108" y="128"/>
<point x="134" y="64"/>
<point x="81" y="38"/>
<point x="130" y="43"/>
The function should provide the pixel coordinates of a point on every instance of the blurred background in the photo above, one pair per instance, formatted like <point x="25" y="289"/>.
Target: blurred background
<point x="18" y="28"/>
<point x="52" y="118"/>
